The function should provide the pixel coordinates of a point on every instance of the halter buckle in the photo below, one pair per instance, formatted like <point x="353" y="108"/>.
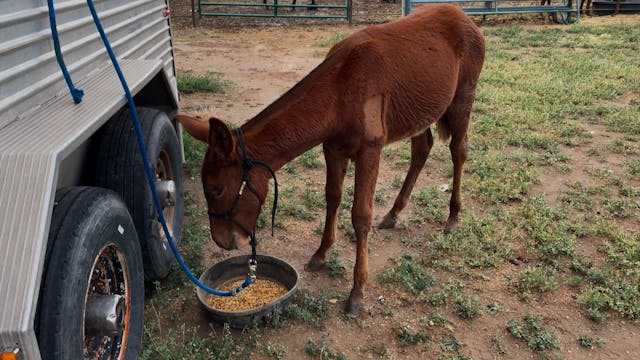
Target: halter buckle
<point x="244" y="183"/>
<point x="253" y="267"/>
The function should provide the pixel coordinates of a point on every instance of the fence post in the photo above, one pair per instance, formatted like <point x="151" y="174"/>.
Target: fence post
<point x="193" y="12"/>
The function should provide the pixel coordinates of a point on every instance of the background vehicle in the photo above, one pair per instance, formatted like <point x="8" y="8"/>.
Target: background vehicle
<point x="78" y="230"/>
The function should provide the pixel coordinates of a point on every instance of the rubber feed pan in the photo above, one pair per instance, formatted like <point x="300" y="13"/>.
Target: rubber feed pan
<point x="236" y="268"/>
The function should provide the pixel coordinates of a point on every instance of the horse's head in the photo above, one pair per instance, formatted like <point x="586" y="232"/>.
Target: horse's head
<point x="233" y="205"/>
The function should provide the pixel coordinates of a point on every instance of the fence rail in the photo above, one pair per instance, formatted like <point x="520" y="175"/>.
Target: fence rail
<point x="275" y="10"/>
<point x="561" y="11"/>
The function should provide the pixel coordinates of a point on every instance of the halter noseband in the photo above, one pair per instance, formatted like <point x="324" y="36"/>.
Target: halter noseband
<point x="247" y="164"/>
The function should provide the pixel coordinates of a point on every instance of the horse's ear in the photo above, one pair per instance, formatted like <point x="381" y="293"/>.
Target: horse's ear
<point x="196" y="128"/>
<point x="221" y="140"/>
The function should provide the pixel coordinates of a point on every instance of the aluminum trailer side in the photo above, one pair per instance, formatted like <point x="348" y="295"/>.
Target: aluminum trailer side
<point x="45" y="139"/>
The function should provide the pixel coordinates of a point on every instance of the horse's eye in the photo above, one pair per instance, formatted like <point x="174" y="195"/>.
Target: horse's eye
<point x="215" y="193"/>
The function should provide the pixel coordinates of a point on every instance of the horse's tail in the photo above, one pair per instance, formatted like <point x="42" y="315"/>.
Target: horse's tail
<point x="444" y="132"/>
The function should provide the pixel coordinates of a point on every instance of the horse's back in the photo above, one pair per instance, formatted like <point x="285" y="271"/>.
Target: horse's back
<point x="436" y="25"/>
<point x="417" y="62"/>
<point x="433" y="36"/>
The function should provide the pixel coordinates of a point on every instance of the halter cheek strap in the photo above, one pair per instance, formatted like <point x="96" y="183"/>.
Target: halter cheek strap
<point x="247" y="164"/>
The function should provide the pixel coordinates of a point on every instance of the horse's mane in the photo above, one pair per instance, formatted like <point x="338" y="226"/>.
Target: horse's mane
<point x="289" y="97"/>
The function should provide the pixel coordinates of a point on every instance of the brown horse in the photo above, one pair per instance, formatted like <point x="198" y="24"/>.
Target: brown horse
<point x="382" y="84"/>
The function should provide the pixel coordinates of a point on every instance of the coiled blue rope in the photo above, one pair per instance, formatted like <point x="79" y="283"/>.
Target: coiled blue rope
<point x="147" y="167"/>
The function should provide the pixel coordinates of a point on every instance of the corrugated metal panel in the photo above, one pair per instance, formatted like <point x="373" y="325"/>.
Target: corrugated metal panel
<point x="38" y="128"/>
<point x="30" y="152"/>
<point x="29" y="73"/>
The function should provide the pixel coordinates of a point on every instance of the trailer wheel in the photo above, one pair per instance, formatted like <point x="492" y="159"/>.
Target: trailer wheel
<point x="121" y="169"/>
<point x="92" y="297"/>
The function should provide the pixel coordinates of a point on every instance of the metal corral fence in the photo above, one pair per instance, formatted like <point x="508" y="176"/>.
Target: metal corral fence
<point x="561" y="11"/>
<point x="332" y="9"/>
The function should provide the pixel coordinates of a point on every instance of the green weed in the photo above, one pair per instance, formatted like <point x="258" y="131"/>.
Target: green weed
<point x="213" y="347"/>
<point x="479" y="242"/>
<point x="308" y="308"/>
<point x="430" y="205"/>
<point x="589" y="342"/>
<point x="449" y="344"/>
<point x="450" y="348"/>
<point x="275" y="351"/>
<point x="496" y="178"/>
<point x="409" y="273"/>
<point x="321" y="349"/>
<point x="466" y="307"/>
<point x="495" y="308"/>
<point x="438" y="318"/>
<point x="335" y="266"/>
<point x="310" y="159"/>
<point x="540" y="278"/>
<point x="632" y="167"/>
<point x="379" y="350"/>
<point x="289" y="204"/>
<point x="347" y="229"/>
<point x="407" y="335"/>
<point x="194" y="151"/>
<point x="547" y="229"/>
<point x="208" y="83"/>
<point x="397" y="182"/>
<point x="530" y="330"/>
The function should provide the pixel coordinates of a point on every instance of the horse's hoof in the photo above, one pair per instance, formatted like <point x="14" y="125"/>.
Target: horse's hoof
<point x="315" y="265"/>
<point x="450" y="227"/>
<point x="352" y="310"/>
<point x="388" y="222"/>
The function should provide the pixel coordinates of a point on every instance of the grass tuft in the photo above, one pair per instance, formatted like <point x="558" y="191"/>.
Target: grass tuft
<point x="530" y="330"/>
<point x="208" y="83"/>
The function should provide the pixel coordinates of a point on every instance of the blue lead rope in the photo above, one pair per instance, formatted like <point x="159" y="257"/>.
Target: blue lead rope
<point x="77" y="98"/>
<point x="76" y="93"/>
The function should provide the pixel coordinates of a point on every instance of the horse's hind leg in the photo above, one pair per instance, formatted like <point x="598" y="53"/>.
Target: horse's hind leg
<point x="457" y="120"/>
<point x="336" y="170"/>
<point x="420" y="148"/>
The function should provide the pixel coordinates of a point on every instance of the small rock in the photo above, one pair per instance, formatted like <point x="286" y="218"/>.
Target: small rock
<point x="333" y="301"/>
<point x="381" y="299"/>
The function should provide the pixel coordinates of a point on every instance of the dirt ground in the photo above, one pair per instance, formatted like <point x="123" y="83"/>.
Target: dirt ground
<point x="262" y="63"/>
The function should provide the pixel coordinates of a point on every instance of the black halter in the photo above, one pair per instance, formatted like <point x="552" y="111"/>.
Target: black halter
<point x="247" y="164"/>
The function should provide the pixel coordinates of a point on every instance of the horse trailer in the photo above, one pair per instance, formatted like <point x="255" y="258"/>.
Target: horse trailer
<point x="79" y="233"/>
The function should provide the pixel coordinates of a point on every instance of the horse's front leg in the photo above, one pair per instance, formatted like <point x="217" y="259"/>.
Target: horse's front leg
<point x="367" y="164"/>
<point x="336" y="170"/>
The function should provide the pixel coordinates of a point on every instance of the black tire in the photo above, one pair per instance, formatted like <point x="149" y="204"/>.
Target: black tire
<point x="93" y="251"/>
<point x="121" y="169"/>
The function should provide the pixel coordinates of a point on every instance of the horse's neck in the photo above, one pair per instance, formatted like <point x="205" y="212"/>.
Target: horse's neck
<point x="297" y="121"/>
<point x="280" y="139"/>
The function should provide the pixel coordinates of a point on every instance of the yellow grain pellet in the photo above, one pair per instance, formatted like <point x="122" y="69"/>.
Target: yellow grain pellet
<point x="261" y="292"/>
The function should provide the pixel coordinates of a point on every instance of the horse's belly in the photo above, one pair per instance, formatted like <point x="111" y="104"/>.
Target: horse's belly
<point x="411" y="121"/>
